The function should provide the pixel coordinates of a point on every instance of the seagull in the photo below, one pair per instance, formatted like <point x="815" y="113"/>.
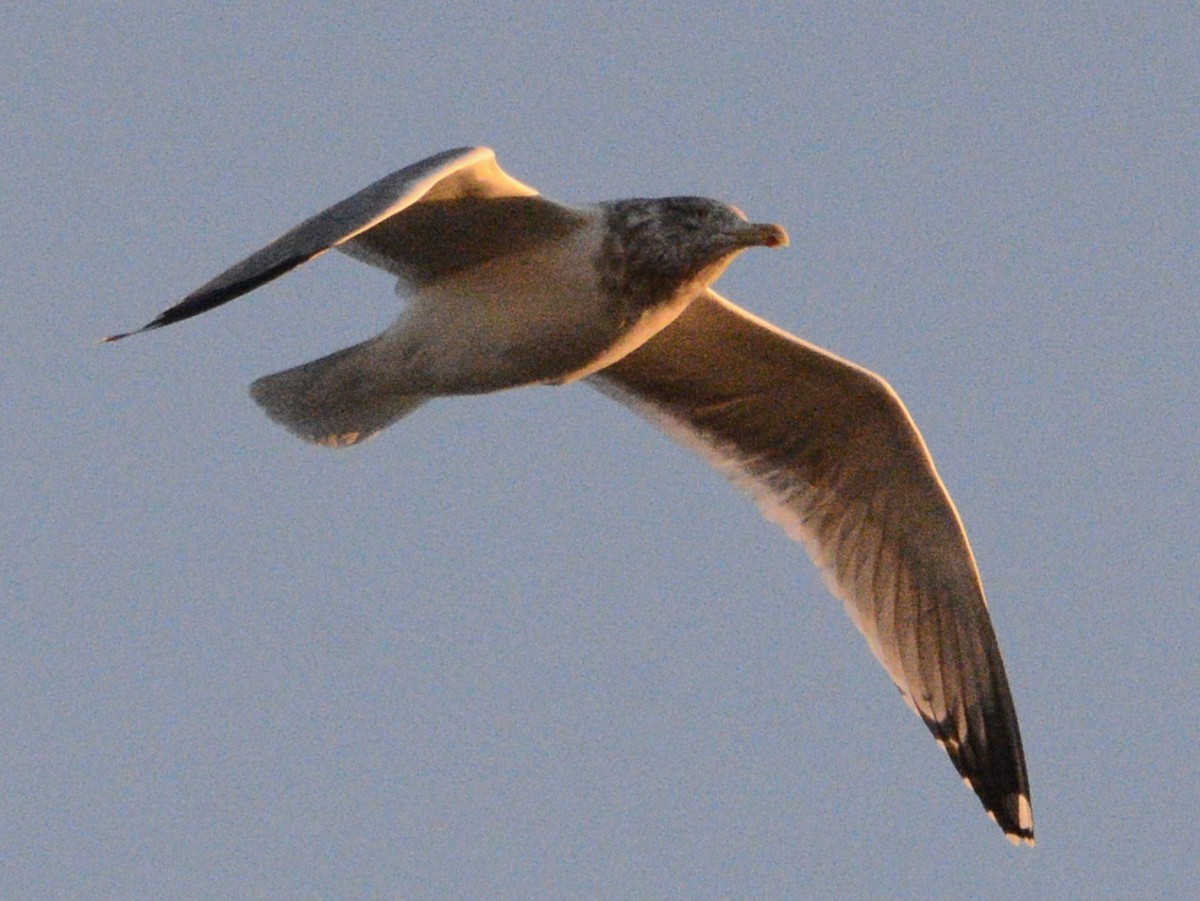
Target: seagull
<point x="505" y="287"/>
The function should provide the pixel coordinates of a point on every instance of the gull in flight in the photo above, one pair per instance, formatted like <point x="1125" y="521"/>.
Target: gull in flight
<point x="505" y="287"/>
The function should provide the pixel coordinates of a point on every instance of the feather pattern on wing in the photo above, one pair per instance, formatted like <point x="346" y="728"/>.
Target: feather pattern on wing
<point x="831" y="455"/>
<point x="466" y="172"/>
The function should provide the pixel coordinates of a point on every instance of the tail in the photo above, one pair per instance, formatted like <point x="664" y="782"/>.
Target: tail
<point x="338" y="400"/>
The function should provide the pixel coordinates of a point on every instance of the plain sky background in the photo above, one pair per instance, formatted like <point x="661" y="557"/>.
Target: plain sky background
<point x="522" y="646"/>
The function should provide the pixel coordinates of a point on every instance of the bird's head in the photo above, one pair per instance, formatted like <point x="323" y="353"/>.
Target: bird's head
<point x="658" y="248"/>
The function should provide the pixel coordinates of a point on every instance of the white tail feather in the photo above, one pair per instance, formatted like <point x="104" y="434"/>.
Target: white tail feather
<point x="337" y="400"/>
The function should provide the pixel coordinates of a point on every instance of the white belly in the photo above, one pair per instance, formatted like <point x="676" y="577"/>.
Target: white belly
<point x="537" y="316"/>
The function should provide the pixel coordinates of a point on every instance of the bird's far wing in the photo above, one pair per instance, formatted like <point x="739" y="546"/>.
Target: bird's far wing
<point x="465" y="172"/>
<point x="831" y="455"/>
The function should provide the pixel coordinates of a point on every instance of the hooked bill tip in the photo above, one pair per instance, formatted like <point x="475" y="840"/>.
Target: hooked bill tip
<point x="770" y="235"/>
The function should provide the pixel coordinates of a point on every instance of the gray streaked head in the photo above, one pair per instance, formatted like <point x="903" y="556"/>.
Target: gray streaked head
<point x="653" y="249"/>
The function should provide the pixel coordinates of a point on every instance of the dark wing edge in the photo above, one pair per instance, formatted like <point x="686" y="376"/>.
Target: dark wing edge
<point x="329" y="228"/>
<point x="829" y="452"/>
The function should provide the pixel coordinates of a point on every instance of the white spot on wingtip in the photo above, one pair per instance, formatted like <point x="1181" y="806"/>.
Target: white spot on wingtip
<point x="1024" y="821"/>
<point x="345" y="439"/>
<point x="1024" y="812"/>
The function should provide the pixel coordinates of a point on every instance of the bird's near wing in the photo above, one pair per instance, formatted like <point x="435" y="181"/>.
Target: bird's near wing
<point x="831" y="455"/>
<point x="470" y="172"/>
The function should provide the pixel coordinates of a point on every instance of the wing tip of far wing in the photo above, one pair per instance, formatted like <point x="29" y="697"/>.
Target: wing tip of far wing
<point x="157" y="322"/>
<point x="219" y="291"/>
<point x="119" y="336"/>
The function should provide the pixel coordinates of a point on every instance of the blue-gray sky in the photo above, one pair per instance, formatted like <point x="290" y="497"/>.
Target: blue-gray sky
<point x="521" y="645"/>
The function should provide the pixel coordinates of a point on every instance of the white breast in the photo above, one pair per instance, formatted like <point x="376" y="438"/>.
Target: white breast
<point x="534" y="316"/>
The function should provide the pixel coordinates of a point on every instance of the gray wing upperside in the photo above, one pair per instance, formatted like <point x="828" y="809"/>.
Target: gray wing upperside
<point x="830" y="454"/>
<point x="470" y="173"/>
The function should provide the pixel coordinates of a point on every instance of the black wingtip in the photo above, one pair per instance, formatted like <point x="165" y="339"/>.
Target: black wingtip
<point x="1012" y="813"/>
<point x="206" y="298"/>
<point x="1020" y="829"/>
<point x="137" y="331"/>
